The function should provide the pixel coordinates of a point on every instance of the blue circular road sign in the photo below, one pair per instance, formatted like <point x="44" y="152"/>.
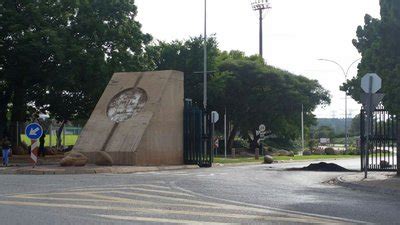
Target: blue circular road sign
<point x="34" y="131"/>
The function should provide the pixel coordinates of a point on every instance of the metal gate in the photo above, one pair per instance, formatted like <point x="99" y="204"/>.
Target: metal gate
<point x="383" y="142"/>
<point x="197" y="142"/>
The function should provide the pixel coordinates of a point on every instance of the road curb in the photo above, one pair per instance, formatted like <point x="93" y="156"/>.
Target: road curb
<point x="366" y="188"/>
<point x="87" y="170"/>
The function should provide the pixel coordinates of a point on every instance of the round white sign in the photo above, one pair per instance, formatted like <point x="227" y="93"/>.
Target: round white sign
<point x="262" y="127"/>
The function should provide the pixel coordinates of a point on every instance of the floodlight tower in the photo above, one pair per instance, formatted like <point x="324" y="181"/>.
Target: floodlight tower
<point x="260" y="6"/>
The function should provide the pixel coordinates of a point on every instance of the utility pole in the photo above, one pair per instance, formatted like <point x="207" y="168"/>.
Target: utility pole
<point x="225" y="136"/>
<point x="205" y="59"/>
<point x="205" y="142"/>
<point x="260" y="6"/>
<point x="302" y="127"/>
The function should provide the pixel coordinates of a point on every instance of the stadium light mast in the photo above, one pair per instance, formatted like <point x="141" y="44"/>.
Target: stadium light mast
<point x="260" y="6"/>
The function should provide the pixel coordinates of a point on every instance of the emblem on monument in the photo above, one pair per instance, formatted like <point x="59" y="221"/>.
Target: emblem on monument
<point x="126" y="104"/>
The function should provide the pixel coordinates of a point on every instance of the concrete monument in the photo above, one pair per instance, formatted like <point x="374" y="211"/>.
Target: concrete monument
<point x="138" y="120"/>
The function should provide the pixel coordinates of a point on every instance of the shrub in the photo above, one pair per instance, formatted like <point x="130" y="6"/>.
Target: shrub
<point x="307" y="153"/>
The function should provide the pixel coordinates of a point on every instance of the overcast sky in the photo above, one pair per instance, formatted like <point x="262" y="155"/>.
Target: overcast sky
<point x="296" y="34"/>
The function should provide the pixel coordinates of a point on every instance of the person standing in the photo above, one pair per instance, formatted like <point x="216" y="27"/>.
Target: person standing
<point x="42" y="150"/>
<point x="6" y="147"/>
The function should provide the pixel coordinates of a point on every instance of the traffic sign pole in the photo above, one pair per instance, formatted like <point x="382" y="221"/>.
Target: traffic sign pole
<point x="34" y="131"/>
<point x="369" y="121"/>
<point x="34" y="151"/>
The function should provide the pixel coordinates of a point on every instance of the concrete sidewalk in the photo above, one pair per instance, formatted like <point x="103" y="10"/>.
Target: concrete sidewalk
<point x="377" y="182"/>
<point x="50" y="166"/>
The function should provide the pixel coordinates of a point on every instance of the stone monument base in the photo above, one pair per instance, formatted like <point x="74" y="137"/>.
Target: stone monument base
<point x="138" y="120"/>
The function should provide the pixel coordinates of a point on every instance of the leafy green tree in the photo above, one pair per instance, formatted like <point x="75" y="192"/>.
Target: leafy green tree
<point x="325" y="132"/>
<point x="377" y="41"/>
<point x="254" y="93"/>
<point x="355" y="126"/>
<point x="185" y="56"/>
<point x="59" y="55"/>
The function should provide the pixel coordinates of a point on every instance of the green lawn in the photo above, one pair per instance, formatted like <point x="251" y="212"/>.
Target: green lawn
<point x="69" y="140"/>
<point x="282" y="158"/>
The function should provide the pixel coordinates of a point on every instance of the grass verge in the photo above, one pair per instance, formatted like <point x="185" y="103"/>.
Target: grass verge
<point x="281" y="158"/>
<point x="69" y="140"/>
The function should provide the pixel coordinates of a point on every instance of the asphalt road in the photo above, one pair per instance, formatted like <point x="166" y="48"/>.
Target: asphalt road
<point x="256" y="194"/>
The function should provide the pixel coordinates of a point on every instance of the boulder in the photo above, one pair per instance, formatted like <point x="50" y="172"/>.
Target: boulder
<point x="268" y="159"/>
<point x="51" y="151"/>
<point x="330" y="151"/>
<point x="103" y="159"/>
<point x="19" y="150"/>
<point x="307" y="153"/>
<point x="384" y="164"/>
<point x="74" y="159"/>
<point x="284" y="153"/>
<point x="269" y="153"/>
<point x="318" y="152"/>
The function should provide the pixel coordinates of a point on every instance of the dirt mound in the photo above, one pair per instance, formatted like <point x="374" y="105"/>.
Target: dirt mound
<point x="324" y="167"/>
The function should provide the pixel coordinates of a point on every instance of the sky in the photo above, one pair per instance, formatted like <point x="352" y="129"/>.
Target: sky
<point x="296" y="34"/>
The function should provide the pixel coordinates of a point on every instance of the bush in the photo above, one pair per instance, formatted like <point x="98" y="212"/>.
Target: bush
<point x="307" y="153"/>
<point x="240" y="143"/>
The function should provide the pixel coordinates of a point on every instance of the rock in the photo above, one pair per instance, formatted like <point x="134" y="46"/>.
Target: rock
<point x="284" y="153"/>
<point x="330" y="151"/>
<point x="268" y="159"/>
<point x="103" y="159"/>
<point x="19" y="150"/>
<point x="291" y="154"/>
<point x="307" y="153"/>
<point x="318" y="152"/>
<point x="246" y="154"/>
<point x="74" y="159"/>
<point x="51" y="151"/>
<point x="384" y="164"/>
<point x="269" y="153"/>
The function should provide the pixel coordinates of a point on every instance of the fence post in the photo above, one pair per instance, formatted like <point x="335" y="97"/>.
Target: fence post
<point x="18" y="133"/>
<point x="50" y="134"/>
<point x="398" y="144"/>
<point x="362" y="138"/>
<point x="64" y="137"/>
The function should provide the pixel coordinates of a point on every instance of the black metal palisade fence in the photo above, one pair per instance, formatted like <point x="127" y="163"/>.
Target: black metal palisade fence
<point x="384" y="141"/>
<point x="197" y="142"/>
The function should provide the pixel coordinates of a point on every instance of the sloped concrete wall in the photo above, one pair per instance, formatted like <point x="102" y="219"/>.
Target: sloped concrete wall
<point x="152" y="137"/>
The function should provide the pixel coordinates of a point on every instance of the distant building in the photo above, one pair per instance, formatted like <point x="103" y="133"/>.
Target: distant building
<point x="324" y="141"/>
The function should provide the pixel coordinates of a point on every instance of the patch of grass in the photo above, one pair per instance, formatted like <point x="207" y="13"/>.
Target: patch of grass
<point x="70" y="139"/>
<point x="281" y="158"/>
<point x="236" y="160"/>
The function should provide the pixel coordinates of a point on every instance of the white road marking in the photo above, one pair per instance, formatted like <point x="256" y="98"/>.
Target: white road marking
<point x="161" y="220"/>
<point x="260" y="208"/>
<point x="136" y="189"/>
<point x="192" y="204"/>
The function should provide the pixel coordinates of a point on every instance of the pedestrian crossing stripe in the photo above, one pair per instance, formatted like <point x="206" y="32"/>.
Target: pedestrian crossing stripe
<point x="158" y="204"/>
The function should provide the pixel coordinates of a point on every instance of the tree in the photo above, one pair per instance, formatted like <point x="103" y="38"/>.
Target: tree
<point x="58" y="56"/>
<point x="185" y="56"/>
<point x="377" y="41"/>
<point x="355" y="126"/>
<point x="325" y="132"/>
<point x="254" y="93"/>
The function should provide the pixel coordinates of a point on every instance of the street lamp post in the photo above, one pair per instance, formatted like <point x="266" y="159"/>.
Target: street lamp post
<point x="260" y="6"/>
<point x="205" y="59"/>
<point x="345" y="73"/>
